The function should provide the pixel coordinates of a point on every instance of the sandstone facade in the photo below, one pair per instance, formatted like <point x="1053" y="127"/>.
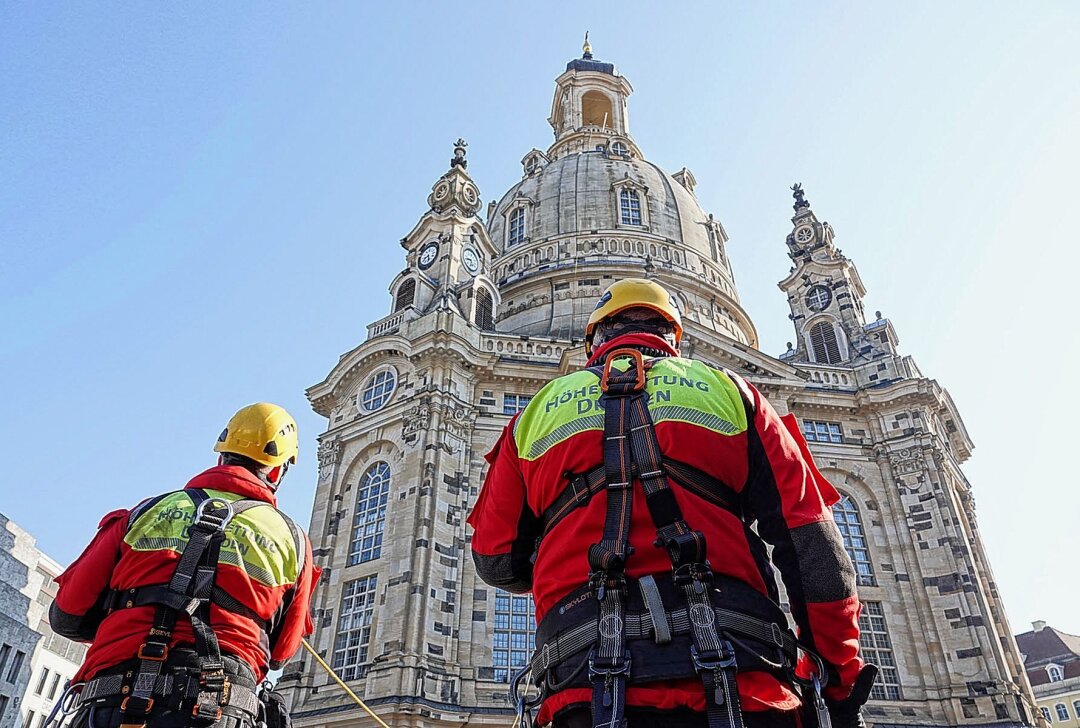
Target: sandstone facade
<point x="486" y="311"/>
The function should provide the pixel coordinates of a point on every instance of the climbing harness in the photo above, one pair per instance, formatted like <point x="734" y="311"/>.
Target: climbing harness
<point x="617" y="631"/>
<point x="213" y="685"/>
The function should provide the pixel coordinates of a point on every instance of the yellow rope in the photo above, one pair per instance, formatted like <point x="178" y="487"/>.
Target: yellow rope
<point x="344" y="687"/>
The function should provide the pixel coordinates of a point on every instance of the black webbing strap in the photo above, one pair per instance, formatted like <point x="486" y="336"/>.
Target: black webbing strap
<point x="189" y="591"/>
<point x="581" y="487"/>
<point x="159" y="594"/>
<point x="642" y="625"/>
<point x="713" y="656"/>
<point x="609" y="662"/>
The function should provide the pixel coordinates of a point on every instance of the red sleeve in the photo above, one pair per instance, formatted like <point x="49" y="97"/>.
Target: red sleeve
<point x="792" y="501"/>
<point x="83" y="582"/>
<point x="505" y="528"/>
<point x="297" y="623"/>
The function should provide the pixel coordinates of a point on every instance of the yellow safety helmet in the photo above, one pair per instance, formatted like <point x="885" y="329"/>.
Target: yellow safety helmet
<point x="263" y="432"/>
<point x="634" y="293"/>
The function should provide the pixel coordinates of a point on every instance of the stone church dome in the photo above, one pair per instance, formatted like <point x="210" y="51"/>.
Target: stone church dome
<point x="576" y="194"/>
<point x="592" y="209"/>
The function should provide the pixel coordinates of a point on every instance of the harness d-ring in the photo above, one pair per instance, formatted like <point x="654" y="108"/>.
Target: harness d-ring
<point x="216" y="503"/>
<point x="638" y="363"/>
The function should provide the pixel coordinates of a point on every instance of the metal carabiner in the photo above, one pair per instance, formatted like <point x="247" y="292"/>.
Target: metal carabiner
<point x="66" y="704"/>
<point x="520" y="700"/>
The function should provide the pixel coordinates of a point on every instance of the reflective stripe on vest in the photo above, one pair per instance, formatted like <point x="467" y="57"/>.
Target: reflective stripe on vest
<point x="258" y="540"/>
<point x="680" y="390"/>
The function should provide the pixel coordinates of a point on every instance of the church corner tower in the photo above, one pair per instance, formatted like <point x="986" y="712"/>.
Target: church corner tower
<point x="892" y="442"/>
<point x="485" y="312"/>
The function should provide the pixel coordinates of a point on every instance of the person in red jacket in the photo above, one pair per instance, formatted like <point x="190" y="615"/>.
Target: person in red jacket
<point x="191" y="597"/>
<point x="623" y="498"/>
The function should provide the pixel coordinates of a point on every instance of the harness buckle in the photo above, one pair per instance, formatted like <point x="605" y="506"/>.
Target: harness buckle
<point x="713" y="660"/>
<point x="148" y="704"/>
<point x="609" y="668"/>
<point x="153" y="651"/>
<point x="697" y="573"/>
<point x="601" y="581"/>
<point x="204" y="712"/>
<point x="777" y="634"/>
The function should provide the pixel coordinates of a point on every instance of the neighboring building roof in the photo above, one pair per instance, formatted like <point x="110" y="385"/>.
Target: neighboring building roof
<point x="1045" y="645"/>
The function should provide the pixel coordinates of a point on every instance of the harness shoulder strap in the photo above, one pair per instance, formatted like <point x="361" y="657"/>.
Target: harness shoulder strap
<point x="581" y="487"/>
<point x="143" y="507"/>
<point x="189" y="591"/>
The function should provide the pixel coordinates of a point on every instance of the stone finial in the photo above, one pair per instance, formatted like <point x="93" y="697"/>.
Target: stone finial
<point x="586" y="48"/>
<point x="459" y="154"/>
<point x="800" y="197"/>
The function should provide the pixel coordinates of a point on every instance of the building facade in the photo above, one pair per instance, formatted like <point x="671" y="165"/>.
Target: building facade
<point x="30" y="652"/>
<point x="55" y="660"/>
<point x="1052" y="660"/>
<point x="487" y="310"/>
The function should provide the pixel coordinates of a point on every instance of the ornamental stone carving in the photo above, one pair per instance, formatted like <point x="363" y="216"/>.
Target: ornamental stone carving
<point x="329" y="455"/>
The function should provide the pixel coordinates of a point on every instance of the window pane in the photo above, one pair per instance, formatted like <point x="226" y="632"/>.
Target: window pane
<point x="354" y="627"/>
<point x="877" y="648"/>
<point x="849" y="524"/>
<point x="516" y="233"/>
<point x="514" y="628"/>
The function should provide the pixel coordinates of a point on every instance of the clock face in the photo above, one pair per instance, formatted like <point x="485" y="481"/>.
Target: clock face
<point x="818" y="298"/>
<point x="427" y="255"/>
<point x="470" y="260"/>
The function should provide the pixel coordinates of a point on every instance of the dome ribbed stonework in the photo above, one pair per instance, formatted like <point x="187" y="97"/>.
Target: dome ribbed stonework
<point x="575" y="244"/>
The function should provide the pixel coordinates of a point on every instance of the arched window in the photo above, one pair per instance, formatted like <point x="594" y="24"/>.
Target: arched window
<point x="823" y="342"/>
<point x="371" y="495"/>
<point x="406" y="293"/>
<point x="1062" y="711"/>
<point x="1056" y="673"/>
<point x="629" y="207"/>
<point x="1076" y="708"/>
<point x="485" y="319"/>
<point x="1046" y="714"/>
<point x="846" y="515"/>
<point x="516" y="231"/>
<point x="596" y="110"/>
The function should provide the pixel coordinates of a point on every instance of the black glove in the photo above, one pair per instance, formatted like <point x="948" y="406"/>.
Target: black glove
<point x="847" y="713"/>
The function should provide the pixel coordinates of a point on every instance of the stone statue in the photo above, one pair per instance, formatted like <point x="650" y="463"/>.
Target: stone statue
<point x="800" y="197"/>
<point x="459" y="154"/>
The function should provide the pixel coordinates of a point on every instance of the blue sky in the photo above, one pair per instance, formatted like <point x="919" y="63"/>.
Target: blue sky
<point x="201" y="207"/>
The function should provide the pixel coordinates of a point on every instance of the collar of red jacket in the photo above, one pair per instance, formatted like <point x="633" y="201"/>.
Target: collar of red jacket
<point x="636" y="340"/>
<point x="234" y="479"/>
